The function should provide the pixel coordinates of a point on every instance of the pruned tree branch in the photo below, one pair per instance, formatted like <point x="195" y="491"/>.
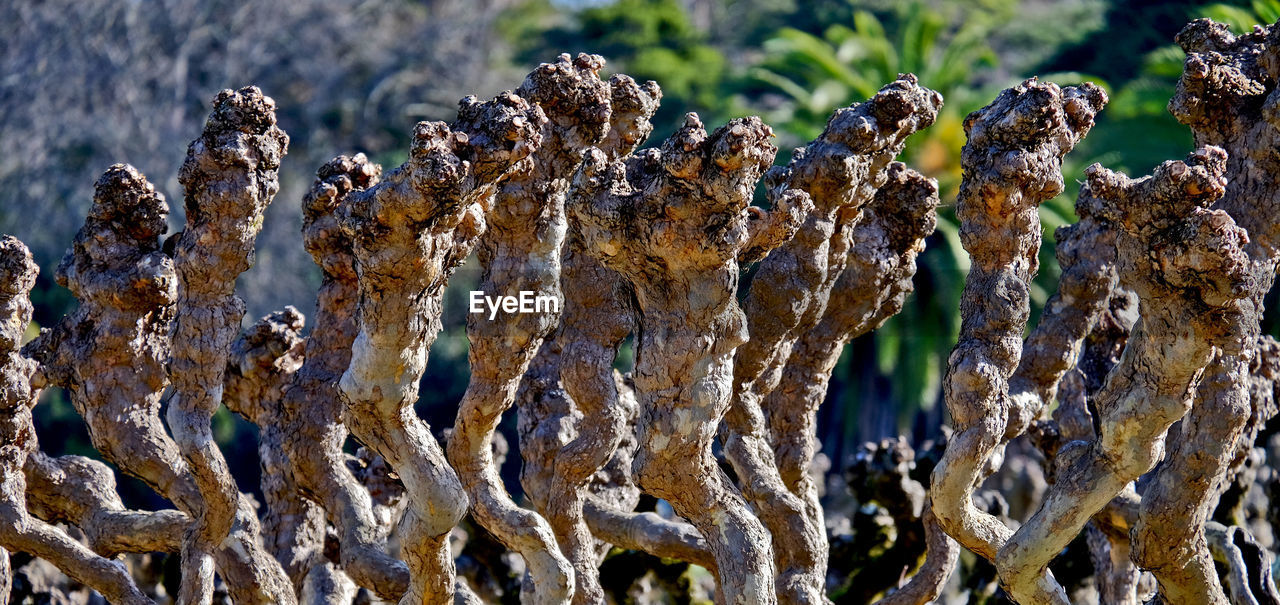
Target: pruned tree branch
<point x="687" y="204"/>
<point x="409" y="232"/>
<point x="18" y="530"/>
<point x="1012" y="164"/>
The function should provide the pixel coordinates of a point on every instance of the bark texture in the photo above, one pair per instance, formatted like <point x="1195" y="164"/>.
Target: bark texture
<point x="111" y="355"/>
<point x="1187" y="266"/>
<point x="409" y="232"/>
<point x="881" y="251"/>
<point x="598" y="315"/>
<point x="1248" y="564"/>
<point x="841" y="171"/>
<point x="1159" y="459"/>
<point x="229" y="178"/>
<point x="262" y="363"/>
<point x="82" y="492"/>
<point x="1226" y="95"/>
<point x="1012" y="163"/>
<point x="674" y="222"/>
<point x="19" y="531"/>
<point x="521" y="252"/>
<point x="312" y="409"/>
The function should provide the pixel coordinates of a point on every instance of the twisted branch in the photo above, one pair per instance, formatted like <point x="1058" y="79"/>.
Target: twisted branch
<point x="1186" y="265"/>
<point x="19" y="532"/>
<point x="674" y="223"/>
<point x="229" y="178"/>
<point x="1011" y="164"/>
<point x="409" y="233"/>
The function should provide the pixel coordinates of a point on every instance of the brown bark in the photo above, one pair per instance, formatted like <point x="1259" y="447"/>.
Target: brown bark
<point x="262" y="363"/>
<point x="674" y="222"/>
<point x="409" y="233"/>
<point x="876" y="279"/>
<point x="1107" y="533"/>
<point x="1227" y="97"/>
<point x="598" y="315"/>
<point x="841" y="171"/>
<point x="1187" y="266"/>
<point x="520" y="251"/>
<point x="6" y="577"/>
<point x="19" y="532"/>
<point x="571" y="380"/>
<point x="547" y="425"/>
<point x="326" y="584"/>
<point x="1248" y="459"/>
<point x="110" y="354"/>
<point x="1011" y="165"/>
<point x="612" y="494"/>
<point x="312" y="409"/>
<point x="229" y="178"/>
<point x="1086" y="254"/>
<point x="545" y="183"/>
<point x="82" y="492"/>
<point x="1248" y="564"/>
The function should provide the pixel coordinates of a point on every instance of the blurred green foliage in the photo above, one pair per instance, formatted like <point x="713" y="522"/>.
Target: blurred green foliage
<point x="1242" y="19"/>
<point x="647" y="39"/>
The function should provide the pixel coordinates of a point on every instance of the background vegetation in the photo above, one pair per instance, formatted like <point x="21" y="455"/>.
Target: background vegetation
<point x="84" y="85"/>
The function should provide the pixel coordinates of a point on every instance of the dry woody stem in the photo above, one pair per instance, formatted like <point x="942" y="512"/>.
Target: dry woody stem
<point x="598" y="315"/>
<point x="674" y="223"/>
<point x="1187" y="266"/>
<point x="841" y="171"/>
<point x="409" y="232"/>
<point x="229" y="178"/>
<point x="1011" y="163"/>
<point x="1147" y="385"/>
<point x="1226" y="95"/>
<point x="521" y="251"/>
<point x="19" y="531"/>
<point x="312" y="411"/>
<point x="111" y="355"/>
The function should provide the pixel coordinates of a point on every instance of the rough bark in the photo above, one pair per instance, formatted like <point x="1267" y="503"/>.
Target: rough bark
<point x="6" y="577"/>
<point x="520" y="251"/>
<point x="82" y="492"/>
<point x="1107" y="533"/>
<point x="19" y="531"/>
<point x="1248" y="565"/>
<point x="547" y="424"/>
<point x="409" y="232"/>
<point x="674" y="222"/>
<point x="1011" y="163"/>
<point x="312" y="410"/>
<point x="572" y="380"/>
<point x="598" y="315"/>
<point x="262" y="363"/>
<point x="841" y="171"/>
<point x="1086" y="254"/>
<point x="1187" y="266"/>
<point x="229" y="178"/>
<point x="1226" y="95"/>
<point x="1238" y="486"/>
<point x="881" y="249"/>
<point x="1151" y="347"/>
<point x="326" y="584"/>
<point x="111" y="353"/>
